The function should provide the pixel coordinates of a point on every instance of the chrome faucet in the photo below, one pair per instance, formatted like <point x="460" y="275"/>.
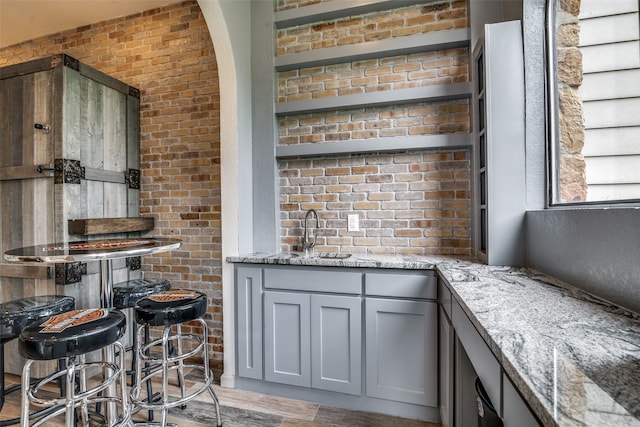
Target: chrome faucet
<point x="309" y="236"/>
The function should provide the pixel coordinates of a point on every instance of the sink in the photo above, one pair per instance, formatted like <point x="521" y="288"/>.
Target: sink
<point x="332" y="255"/>
<point x="324" y="255"/>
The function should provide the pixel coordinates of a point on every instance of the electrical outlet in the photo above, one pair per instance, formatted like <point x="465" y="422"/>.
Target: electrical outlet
<point x="353" y="222"/>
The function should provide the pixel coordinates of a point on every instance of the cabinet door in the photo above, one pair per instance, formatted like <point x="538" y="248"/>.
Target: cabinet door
<point x="249" y="321"/>
<point x="287" y="335"/>
<point x="27" y="196"/>
<point x="446" y="370"/>
<point x="336" y="343"/>
<point x="401" y="351"/>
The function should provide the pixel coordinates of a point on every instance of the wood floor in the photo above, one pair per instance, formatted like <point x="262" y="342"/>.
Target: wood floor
<point x="246" y="409"/>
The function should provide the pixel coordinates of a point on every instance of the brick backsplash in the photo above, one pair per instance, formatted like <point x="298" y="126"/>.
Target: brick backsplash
<point x="404" y="21"/>
<point x="415" y="202"/>
<point x="375" y="122"/>
<point x="375" y="75"/>
<point x="408" y="202"/>
<point x="292" y="4"/>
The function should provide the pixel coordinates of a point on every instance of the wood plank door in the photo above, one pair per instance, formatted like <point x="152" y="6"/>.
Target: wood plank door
<point x="26" y="195"/>
<point x="100" y="118"/>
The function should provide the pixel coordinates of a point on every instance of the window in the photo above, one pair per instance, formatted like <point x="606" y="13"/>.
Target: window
<point x="594" y="77"/>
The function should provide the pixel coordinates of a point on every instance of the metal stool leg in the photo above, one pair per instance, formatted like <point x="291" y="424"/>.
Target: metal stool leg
<point x="165" y="374"/>
<point x="149" y="384"/>
<point x="71" y="387"/>
<point x="180" y="364"/>
<point x="207" y="372"/>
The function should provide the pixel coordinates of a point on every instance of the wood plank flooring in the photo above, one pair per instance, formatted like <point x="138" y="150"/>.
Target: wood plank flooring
<point x="246" y="409"/>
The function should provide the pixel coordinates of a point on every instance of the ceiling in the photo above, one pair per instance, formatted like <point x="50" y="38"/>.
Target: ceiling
<point x="22" y="20"/>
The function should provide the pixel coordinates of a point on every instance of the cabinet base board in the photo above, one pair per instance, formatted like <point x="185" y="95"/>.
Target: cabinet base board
<point x="340" y="400"/>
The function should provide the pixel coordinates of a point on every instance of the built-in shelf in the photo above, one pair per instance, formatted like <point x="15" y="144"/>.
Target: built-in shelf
<point x="93" y="226"/>
<point x="437" y="40"/>
<point x="433" y="93"/>
<point x="327" y="11"/>
<point x="455" y="140"/>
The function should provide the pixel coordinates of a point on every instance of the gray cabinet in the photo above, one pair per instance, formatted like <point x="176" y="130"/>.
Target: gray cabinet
<point x="401" y="350"/>
<point x="499" y="150"/>
<point x="445" y="346"/>
<point x="249" y="321"/>
<point x="312" y="335"/>
<point x="401" y="333"/>
<point x="307" y="326"/>
<point x="446" y="340"/>
<point x="473" y="359"/>
<point x="336" y="343"/>
<point x="287" y="338"/>
<point x="313" y="340"/>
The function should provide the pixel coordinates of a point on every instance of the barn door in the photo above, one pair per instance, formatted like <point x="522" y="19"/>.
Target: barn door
<point x="27" y="201"/>
<point x="27" y="132"/>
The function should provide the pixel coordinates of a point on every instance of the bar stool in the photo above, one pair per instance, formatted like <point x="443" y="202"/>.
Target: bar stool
<point x="125" y="296"/>
<point x="71" y="336"/>
<point x="170" y="309"/>
<point x="14" y="317"/>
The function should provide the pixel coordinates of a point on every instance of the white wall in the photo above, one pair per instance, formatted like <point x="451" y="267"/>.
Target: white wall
<point x="228" y="21"/>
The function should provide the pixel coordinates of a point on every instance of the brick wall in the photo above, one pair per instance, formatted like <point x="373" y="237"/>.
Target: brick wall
<point x="168" y="54"/>
<point x="430" y="16"/>
<point x="408" y="202"/>
<point x="367" y="123"/>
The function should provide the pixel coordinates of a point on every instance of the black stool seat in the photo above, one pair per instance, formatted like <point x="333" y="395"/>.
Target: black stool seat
<point x="170" y="307"/>
<point x="71" y="334"/>
<point x="17" y="314"/>
<point x="126" y="294"/>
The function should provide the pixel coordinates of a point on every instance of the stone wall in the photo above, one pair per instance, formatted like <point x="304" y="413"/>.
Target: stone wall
<point x="571" y="163"/>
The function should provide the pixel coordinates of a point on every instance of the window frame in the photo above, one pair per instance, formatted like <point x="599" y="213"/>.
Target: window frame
<point x="552" y="159"/>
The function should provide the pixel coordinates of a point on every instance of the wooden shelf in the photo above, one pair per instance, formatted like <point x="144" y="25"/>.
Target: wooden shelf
<point x="93" y="226"/>
<point x="447" y="92"/>
<point x="375" y="145"/>
<point x="437" y="40"/>
<point x="335" y="10"/>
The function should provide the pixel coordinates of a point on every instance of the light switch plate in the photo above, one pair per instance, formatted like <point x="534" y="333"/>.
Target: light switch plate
<point x="353" y="222"/>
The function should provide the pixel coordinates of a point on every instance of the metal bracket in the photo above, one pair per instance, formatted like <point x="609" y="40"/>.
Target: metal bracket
<point x="132" y="177"/>
<point x="70" y="272"/>
<point x="134" y="263"/>
<point x="67" y="171"/>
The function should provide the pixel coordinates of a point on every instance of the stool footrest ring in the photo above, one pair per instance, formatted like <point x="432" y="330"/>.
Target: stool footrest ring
<point x="144" y="404"/>
<point x="183" y="338"/>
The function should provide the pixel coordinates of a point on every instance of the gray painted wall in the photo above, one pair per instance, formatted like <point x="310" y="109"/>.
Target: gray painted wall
<point x="263" y="165"/>
<point x="594" y="249"/>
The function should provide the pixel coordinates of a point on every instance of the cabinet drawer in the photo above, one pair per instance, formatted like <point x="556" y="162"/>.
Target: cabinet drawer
<point x="401" y="285"/>
<point x="300" y="279"/>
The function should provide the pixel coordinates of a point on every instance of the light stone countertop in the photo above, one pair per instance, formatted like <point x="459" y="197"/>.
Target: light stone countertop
<point x="574" y="357"/>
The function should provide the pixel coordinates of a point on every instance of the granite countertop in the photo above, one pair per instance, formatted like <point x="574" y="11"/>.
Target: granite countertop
<point x="575" y="358"/>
